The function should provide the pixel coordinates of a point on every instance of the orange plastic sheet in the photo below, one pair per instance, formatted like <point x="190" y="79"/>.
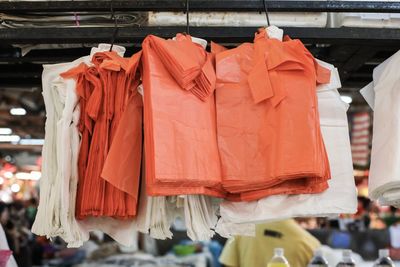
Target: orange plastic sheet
<point x="267" y="119"/>
<point x="87" y="84"/>
<point x="179" y="118"/>
<point x="111" y="114"/>
<point x="123" y="163"/>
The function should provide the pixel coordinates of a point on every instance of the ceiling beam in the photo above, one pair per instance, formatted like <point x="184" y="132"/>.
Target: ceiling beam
<point x="356" y="61"/>
<point x="200" y="5"/>
<point x="368" y="36"/>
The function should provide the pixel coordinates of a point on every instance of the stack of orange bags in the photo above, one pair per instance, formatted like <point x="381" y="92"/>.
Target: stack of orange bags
<point x="267" y="119"/>
<point x="111" y="117"/>
<point x="195" y="73"/>
<point x="181" y="152"/>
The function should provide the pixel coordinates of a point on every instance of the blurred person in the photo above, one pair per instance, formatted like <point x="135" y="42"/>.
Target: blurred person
<point x="18" y="230"/>
<point x="10" y="231"/>
<point x="244" y="251"/>
<point x="18" y="243"/>
<point x="46" y="248"/>
<point x="392" y="218"/>
<point x="12" y="236"/>
<point x="322" y="223"/>
<point x="364" y="207"/>
<point x="308" y="223"/>
<point x="394" y="231"/>
<point x="376" y="222"/>
<point x="18" y="214"/>
<point x="31" y="211"/>
<point x="4" y="246"/>
<point x="4" y="214"/>
<point x="38" y="250"/>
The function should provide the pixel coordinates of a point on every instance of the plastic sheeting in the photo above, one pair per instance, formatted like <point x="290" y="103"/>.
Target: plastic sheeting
<point x="179" y="118"/>
<point x="56" y="212"/>
<point x="241" y="124"/>
<point x="384" y="176"/>
<point x="103" y="189"/>
<point x="266" y="102"/>
<point x="339" y="198"/>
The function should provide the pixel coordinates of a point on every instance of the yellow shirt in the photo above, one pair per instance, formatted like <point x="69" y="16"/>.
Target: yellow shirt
<point x="243" y="251"/>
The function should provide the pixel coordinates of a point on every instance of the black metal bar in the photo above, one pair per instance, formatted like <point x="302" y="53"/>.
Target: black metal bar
<point x="355" y="62"/>
<point x="201" y="5"/>
<point x="370" y="36"/>
<point x="20" y="75"/>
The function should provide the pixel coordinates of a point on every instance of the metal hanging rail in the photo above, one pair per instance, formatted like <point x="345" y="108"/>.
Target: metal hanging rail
<point x="370" y="36"/>
<point x="201" y="5"/>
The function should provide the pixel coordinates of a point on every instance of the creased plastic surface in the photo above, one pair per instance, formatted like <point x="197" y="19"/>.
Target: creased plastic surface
<point x="268" y="126"/>
<point x="108" y="93"/>
<point x="179" y="118"/>
<point x="55" y="215"/>
<point x="70" y="83"/>
<point x="122" y="166"/>
<point x="384" y="182"/>
<point x="340" y="197"/>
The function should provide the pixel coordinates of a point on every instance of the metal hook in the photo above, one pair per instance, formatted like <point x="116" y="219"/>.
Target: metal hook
<point x="112" y="9"/>
<point x="266" y="12"/>
<point x="187" y="17"/>
<point x="114" y="36"/>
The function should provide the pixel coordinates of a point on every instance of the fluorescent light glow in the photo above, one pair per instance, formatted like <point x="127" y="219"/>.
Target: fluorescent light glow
<point x="6" y="198"/>
<point x="23" y="175"/>
<point x="18" y="111"/>
<point x="5" y="131"/>
<point x="9" y="138"/>
<point x="8" y="175"/>
<point x="1" y="180"/>
<point x="15" y="188"/>
<point x="31" y="142"/>
<point x="347" y="99"/>
<point x="35" y="175"/>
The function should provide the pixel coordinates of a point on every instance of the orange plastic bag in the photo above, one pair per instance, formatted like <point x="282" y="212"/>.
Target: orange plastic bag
<point x="179" y="118"/>
<point x="123" y="162"/>
<point x="88" y="86"/>
<point x="108" y="98"/>
<point x="267" y="119"/>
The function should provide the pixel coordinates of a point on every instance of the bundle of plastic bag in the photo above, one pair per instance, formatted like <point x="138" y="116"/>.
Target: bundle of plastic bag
<point x="71" y="92"/>
<point x="382" y="95"/>
<point x="339" y="198"/>
<point x="180" y="128"/>
<point x="112" y="103"/>
<point x="268" y="126"/>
